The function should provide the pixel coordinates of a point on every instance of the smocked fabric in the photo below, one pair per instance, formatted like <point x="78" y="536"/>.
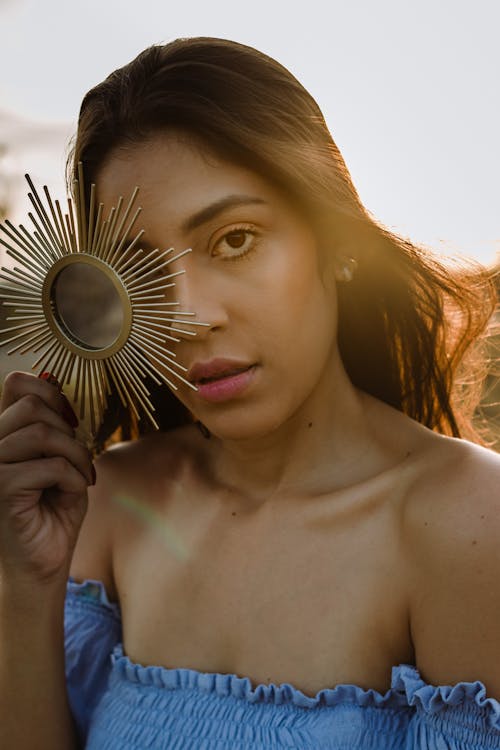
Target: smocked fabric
<point x="121" y="705"/>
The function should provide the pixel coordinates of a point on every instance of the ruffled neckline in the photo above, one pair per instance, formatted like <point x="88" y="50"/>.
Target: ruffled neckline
<point x="408" y="689"/>
<point x="432" y="699"/>
<point x="224" y="685"/>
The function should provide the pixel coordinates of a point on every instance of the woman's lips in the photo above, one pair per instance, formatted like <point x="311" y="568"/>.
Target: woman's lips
<point x="227" y="386"/>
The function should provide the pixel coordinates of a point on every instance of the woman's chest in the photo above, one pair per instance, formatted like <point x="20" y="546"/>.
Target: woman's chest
<point x="272" y="597"/>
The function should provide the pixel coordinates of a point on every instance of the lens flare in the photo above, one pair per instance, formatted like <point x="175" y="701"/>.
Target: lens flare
<point x="156" y="522"/>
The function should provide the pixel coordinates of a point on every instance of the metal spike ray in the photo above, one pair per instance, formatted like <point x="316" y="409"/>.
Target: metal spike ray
<point x="108" y="241"/>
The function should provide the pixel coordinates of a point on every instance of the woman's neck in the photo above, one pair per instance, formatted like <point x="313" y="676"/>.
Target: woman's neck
<point x="328" y="444"/>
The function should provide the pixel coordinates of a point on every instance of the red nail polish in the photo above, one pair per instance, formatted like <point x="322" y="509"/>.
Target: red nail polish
<point x="50" y="379"/>
<point x="67" y="412"/>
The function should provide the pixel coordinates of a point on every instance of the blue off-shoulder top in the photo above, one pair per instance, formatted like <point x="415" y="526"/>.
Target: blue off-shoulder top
<point x="119" y="705"/>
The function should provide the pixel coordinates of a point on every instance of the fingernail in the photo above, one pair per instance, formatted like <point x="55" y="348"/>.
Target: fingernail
<point x="50" y="379"/>
<point x="67" y="412"/>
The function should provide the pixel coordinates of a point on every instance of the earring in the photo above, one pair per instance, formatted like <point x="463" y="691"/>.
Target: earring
<point x="346" y="269"/>
<point x="203" y="429"/>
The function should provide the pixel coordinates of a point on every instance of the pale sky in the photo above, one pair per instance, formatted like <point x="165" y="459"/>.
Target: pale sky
<point x="409" y="89"/>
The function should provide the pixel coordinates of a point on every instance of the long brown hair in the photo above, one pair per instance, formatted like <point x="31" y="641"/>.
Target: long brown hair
<point x="406" y="321"/>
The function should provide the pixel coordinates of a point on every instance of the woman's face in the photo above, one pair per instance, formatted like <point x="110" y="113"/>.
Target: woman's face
<point x="253" y="275"/>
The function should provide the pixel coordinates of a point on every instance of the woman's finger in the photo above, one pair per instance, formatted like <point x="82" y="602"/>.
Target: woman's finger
<point x="41" y="440"/>
<point x="20" y="384"/>
<point x="30" y="408"/>
<point x="40" y="474"/>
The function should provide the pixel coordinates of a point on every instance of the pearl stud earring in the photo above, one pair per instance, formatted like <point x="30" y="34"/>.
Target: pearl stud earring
<point x="346" y="269"/>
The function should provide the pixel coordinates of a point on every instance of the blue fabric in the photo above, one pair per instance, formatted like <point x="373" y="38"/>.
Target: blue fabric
<point x="119" y="705"/>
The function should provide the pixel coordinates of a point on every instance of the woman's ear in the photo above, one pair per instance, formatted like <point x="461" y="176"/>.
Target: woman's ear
<point x="344" y="267"/>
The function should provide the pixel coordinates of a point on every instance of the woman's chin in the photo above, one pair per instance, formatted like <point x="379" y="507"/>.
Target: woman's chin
<point x="241" y="428"/>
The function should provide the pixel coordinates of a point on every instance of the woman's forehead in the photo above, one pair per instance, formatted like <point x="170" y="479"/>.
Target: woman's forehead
<point x="176" y="170"/>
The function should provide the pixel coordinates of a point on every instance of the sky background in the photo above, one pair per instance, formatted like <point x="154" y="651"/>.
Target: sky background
<point x="409" y="91"/>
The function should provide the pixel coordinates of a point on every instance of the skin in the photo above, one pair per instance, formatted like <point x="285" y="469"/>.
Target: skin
<point x="319" y="536"/>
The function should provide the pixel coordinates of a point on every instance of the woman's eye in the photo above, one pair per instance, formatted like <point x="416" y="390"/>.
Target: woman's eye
<point x="236" y="243"/>
<point x="236" y="239"/>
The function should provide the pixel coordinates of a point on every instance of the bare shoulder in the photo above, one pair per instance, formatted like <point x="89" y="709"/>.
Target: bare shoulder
<point x="127" y="473"/>
<point x="457" y="487"/>
<point x="453" y="540"/>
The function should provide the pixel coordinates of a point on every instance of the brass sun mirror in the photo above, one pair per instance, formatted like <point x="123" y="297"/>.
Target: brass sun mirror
<point x="95" y="308"/>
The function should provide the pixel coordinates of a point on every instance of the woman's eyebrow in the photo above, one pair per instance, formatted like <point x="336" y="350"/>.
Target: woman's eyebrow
<point x="212" y="210"/>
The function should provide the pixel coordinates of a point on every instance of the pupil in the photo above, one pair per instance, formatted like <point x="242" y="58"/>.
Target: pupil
<point x="236" y="239"/>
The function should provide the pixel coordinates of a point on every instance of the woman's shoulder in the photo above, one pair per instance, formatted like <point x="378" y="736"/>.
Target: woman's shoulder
<point x="125" y="472"/>
<point x="165" y="448"/>
<point x="453" y="506"/>
<point x="452" y="538"/>
<point x="457" y="481"/>
<point x="442" y="476"/>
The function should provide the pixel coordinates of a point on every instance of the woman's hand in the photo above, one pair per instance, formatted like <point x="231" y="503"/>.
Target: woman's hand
<point x="44" y="475"/>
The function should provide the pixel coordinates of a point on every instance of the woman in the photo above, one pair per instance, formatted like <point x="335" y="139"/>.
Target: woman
<point x="306" y="556"/>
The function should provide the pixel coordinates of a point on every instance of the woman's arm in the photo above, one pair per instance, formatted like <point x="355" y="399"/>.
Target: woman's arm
<point x="35" y="714"/>
<point x="454" y="541"/>
<point x="93" y="553"/>
<point x="44" y="475"/>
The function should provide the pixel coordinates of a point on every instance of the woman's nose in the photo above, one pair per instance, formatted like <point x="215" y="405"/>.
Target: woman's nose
<point x="199" y="309"/>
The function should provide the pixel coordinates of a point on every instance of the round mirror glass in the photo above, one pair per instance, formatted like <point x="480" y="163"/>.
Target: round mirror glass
<point x="87" y="306"/>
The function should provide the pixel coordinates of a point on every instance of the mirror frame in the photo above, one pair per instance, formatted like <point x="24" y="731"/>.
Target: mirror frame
<point x="64" y="336"/>
<point x="85" y="235"/>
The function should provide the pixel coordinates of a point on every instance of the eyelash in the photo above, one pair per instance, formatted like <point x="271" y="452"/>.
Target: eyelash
<point x="242" y="229"/>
